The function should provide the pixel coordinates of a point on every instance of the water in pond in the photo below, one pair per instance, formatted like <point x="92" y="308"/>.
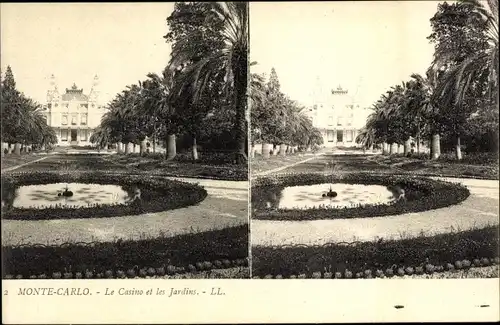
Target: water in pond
<point x="46" y="195"/>
<point x="348" y="195"/>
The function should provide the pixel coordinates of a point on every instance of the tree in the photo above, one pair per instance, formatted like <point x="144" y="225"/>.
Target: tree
<point x="196" y="66"/>
<point x="23" y="122"/>
<point x="465" y="63"/>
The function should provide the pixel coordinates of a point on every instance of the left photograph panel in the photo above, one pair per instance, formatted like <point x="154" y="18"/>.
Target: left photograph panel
<point x="124" y="140"/>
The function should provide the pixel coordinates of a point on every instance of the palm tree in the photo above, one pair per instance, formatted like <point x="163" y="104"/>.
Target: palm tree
<point x="232" y="61"/>
<point x="366" y="137"/>
<point x="457" y="80"/>
<point x="157" y="104"/>
<point x="423" y="105"/>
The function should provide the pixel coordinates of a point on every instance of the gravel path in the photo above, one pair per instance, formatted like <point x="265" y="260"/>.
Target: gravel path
<point x="479" y="210"/>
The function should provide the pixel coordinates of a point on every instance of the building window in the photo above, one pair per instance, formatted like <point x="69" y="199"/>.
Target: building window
<point x="83" y="120"/>
<point x="330" y="120"/>
<point x="64" y="135"/>
<point x="84" y="105"/>
<point x="339" y="121"/>
<point x="73" y="119"/>
<point x="348" y="135"/>
<point x="329" y="135"/>
<point x="64" y="120"/>
<point x="340" y="136"/>
<point x="83" y="135"/>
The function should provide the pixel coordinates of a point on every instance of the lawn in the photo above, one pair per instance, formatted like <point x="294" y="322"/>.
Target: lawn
<point x="211" y="166"/>
<point x="481" y="166"/>
<point x="10" y="160"/>
<point x="260" y="164"/>
<point x="475" y="166"/>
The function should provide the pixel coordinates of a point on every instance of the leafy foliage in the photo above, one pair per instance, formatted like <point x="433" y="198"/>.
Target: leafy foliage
<point x="23" y="121"/>
<point x="276" y="118"/>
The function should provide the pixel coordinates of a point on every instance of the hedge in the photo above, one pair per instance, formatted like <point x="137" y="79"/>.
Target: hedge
<point x="478" y="246"/>
<point x="421" y="194"/>
<point x="157" y="194"/>
<point x="184" y="253"/>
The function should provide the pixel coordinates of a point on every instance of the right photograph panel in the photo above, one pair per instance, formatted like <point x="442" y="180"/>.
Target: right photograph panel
<point x="374" y="140"/>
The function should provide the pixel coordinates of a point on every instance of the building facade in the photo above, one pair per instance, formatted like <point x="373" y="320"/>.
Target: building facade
<point x="73" y="114"/>
<point x="338" y="116"/>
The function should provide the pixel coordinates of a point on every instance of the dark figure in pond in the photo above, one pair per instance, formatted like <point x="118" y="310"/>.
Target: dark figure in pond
<point x="330" y="193"/>
<point x="66" y="193"/>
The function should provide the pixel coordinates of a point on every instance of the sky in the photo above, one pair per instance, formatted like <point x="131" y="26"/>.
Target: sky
<point x="366" y="47"/>
<point x="120" y="42"/>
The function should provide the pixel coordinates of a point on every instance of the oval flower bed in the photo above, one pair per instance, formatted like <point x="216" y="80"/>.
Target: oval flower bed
<point x="157" y="194"/>
<point x="421" y="194"/>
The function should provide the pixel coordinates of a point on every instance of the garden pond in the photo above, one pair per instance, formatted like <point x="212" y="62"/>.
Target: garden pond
<point x="75" y="195"/>
<point x="338" y="195"/>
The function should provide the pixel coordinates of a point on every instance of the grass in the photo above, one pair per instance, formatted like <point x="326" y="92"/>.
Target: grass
<point x="260" y="164"/>
<point x="82" y="162"/>
<point x="11" y="160"/>
<point x="481" y="166"/>
<point x="414" y="252"/>
<point x="210" y="167"/>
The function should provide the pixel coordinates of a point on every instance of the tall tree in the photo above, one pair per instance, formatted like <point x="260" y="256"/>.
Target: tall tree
<point x="465" y="63"/>
<point x="196" y="66"/>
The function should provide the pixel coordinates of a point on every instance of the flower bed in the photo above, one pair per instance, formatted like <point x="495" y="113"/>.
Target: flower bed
<point x="214" y="249"/>
<point x="156" y="195"/>
<point x="447" y="252"/>
<point x="420" y="195"/>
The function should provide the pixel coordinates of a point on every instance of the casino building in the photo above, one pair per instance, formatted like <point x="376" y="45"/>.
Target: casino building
<point x="338" y="116"/>
<point x="73" y="114"/>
